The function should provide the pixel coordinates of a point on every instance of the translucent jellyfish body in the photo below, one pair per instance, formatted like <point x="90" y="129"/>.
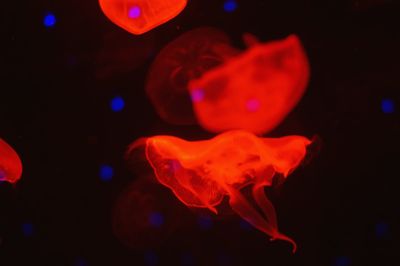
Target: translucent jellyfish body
<point x="10" y="163"/>
<point x="202" y="173"/>
<point x="186" y="58"/>
<point x="253" y="91"/>
<point x="140" y="16"/>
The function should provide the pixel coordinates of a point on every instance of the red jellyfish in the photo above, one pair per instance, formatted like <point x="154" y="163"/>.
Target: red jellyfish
<point x="186" y="58"/>
<point x="10" y="163"/>
<point x="140" y="16"/>
<point x="253" y="91"/>
<point x="201" y="173"/>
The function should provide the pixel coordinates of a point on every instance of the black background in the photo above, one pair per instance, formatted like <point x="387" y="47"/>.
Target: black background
<point x="54" y="110"/>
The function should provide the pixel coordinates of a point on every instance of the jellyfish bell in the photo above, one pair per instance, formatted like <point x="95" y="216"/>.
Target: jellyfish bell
<point x="141" y="16"/>
<point x="145" y="215"/>
<point x="185" y="58"/>
<point x="255" y="90"/>
<point x="202" y="173"/>
<point x="10" y="164"/>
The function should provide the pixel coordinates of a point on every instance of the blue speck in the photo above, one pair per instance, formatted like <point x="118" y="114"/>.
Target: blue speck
<point x="381" y="230"/>
<point x="151" y="258"/>
<point x="156" y="219"/>
<point x="134" y="12"/>
<point x="387" y="106"/>
<point x="117" y="104"/>
<point x="230" y="6"/>
<point x="106" y="173"/>
<point x="2" y="175"/>
<point x="27" y="229"/>
<point x="187" y="259"/>
<point x="342" y="261"/>
<point x="245" y="225"/>
<point x="205" y="222"/>
<point x="49" y="20"/>
<point x="80" y="262"/>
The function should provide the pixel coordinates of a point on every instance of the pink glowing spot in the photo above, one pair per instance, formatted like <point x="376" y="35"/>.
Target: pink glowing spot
<point x="253" y="105"/>
<point x="197" y="95"/>
<point x="134" y="12"/>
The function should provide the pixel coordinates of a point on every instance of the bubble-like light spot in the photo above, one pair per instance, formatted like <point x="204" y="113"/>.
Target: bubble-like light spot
<point x="197" y="95"/>
<point x="381" y="230"/>
<point x="230" y="6"/>
<point x="151" y="258"/>
<point x="388" y="106"/>
<point x="342" y="261"/>
<point x="156" y="219"/>
<point x="117" y="104"/>
<point x="27" y="229"/>
<point x="134" y="12"/>
<point x="49" y="20"/>
<point x="106" y="173"/>
<point x="253" y="105"/>
<point x="205" y="222"/>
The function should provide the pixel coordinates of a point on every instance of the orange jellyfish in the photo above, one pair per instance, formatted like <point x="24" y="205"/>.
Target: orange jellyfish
<point x="253" y="91"/>
<point x="186" y="58"/>
<point x="140" y="16"/>
<point x="201" y="173"/>
<point x="10" y="163"/>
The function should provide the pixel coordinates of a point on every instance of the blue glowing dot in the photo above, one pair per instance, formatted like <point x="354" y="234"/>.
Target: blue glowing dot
<point x="381" y="230"/>
<point x="117" y="104"/>
<point x="2" y="175"/>
<point x="342" y="261"/>
<point x="230" y="6"/>
<point x="197" y="95"/>
<point x="245" y="225"/>
<point x="106" y="173"/>
<point x="49" y="20"/>
<point x="151" y="258"/>
<point x="387" y="106"/>
<point x="205" y="222"/>
<point x="156" y="219"/>
<point x="187" y="259"/>
<point x="80" y="262"/>
<point x="27" y="229"/>
<point x="134" y="12"/>
<point x="253" y="105"/>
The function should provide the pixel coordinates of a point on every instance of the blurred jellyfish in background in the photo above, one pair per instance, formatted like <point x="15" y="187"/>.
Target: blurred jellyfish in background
<point x="141" y="16"/>
<point x="253" y="91"/>
<point x="145" y="215"/>
<point x="186" y="58"/>
<point x="10" y="163"/>
<point x="202" y="173"/>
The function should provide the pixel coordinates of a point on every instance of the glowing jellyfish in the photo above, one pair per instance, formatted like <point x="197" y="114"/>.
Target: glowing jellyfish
<point x="201" y="173"/>
<point x="140" y="16"/>
<point x="253" y="91"/>
<point x="186" y="58"/>
<point x="10" y="163"/>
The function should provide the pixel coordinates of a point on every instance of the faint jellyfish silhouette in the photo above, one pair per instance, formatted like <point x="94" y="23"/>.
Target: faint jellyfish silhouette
<point x="201" y="173"/>
<point x="144" y="215"/>
<point x="120" y="55"/>
<point x="255" y="90"/>
<point x="140" y="16"/>
<point x="186" y="58"/>
<point x="10" y="163"/>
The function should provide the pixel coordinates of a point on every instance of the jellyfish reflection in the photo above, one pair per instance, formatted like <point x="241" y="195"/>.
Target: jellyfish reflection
<point x="253" y="91"/>
<point x="201" y="173"/>
<point x="186" y="58"/>
<point x="10" y="163"/>
<point x="140" y="16"/>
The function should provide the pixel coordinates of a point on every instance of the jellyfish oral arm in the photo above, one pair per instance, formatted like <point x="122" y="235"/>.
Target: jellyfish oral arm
<point x="244" y="209"/>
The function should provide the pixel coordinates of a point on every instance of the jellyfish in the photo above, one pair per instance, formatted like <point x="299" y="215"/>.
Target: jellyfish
<point x="10" y="163"/>
<point x="202" y="173"/>
<point x="141" y="16"/>
<point x="185" y="58"/>
<point x="253" y="91"/>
